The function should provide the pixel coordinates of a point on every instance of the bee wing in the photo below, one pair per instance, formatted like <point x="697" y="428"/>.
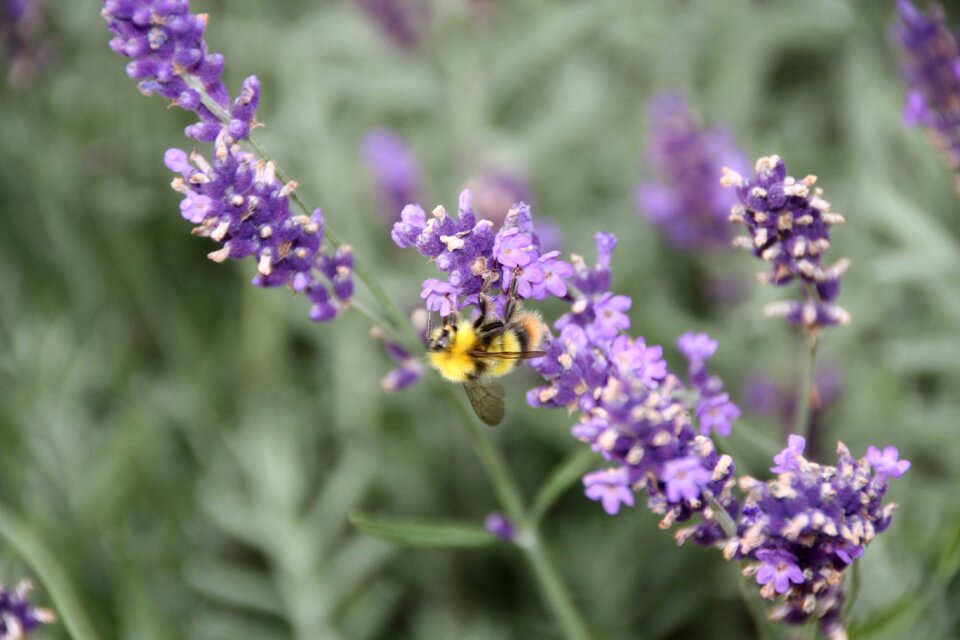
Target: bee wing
<point x="487" y="400"/>
<point x="507" y="355"/>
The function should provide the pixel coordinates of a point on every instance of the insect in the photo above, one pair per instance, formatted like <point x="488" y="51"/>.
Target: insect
<point x="474" y="353"/>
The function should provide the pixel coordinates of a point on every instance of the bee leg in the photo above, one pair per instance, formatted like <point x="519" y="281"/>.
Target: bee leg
<point x="513" y="303"/>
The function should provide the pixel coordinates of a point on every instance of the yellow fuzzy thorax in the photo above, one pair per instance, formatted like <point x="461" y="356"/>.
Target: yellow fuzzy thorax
<point x="463" y="360"/>
<point x="456" y="363"/>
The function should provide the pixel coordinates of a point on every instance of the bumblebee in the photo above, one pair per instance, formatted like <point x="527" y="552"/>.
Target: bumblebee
<point x="474" y="353"/>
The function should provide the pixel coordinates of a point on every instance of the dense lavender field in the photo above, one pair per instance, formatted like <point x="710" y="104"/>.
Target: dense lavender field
<point x="759" y="367"/>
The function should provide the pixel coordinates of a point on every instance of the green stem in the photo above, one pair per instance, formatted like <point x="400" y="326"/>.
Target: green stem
<point x="55" y="580"/>
<point x="554" y="590"/>
<point x="801" y="424"/>
<point x="508" y="494"/>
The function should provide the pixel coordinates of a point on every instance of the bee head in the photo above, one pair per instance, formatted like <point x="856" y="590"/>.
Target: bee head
<point x="443" y="337"/>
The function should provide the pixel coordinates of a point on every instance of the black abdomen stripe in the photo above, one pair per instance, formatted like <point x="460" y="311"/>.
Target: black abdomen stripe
<point x="522" y="337"/>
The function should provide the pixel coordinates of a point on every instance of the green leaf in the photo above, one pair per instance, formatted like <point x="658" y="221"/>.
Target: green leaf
<point x="423" y="533"/>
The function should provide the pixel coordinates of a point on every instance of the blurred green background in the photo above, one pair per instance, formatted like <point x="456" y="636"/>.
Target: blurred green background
<point x="189" y="446"/>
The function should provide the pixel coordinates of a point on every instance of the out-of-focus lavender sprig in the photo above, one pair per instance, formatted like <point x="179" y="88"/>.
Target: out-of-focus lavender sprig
<point x="800" y="531"/>
<point x="22" y="36"/>
<point x="402" y="21"/>
<point x="630" y="408"/>
<point x="470" y="253"/>
<point x="688" y="204"/>
<point x="238" y="199"/>
<point x="18" y="618"/>
<point x="788" y="223"/>
<point x="931" y="69"/>
<point x="395" y="169"/>
<point x="409" y="368"/>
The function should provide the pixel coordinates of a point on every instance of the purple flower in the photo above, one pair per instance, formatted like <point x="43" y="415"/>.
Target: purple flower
<point x="610" y="487"/>
<point x="788" y="223"/>
<point x="634" y="358"/>
<point x="688" y="205"/>
<point x="780" y="568"/>
<point x="17" y="616"/>
<point x="500" y="526"/>
<point x="717" y="413"/>
<point x="395" y="170"/>
<point x="930" y="60"/>
<point x="697" y="348"/>
<point x="790" y="458"/>
<point x="555" y="275"/>
<point x="440" y="296"/>
<point x="609" y="315"/>
<point x="887" y="463"/>
<point x="514" y="249"/>
<point x="684" y="479"/>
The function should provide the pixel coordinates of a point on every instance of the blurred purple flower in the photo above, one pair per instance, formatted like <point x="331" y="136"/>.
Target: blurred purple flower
<point x="24" y="40"/>
<point x="887" y="463"/>
<point x="495" y="192"/>
<point x="688" y="205"/>
<point x="931" y="69"/>
<point x="500" y="526"/>
<point x="395" y="169"/>
<point x="402" y="21"/>
<point x="18" y="618"/>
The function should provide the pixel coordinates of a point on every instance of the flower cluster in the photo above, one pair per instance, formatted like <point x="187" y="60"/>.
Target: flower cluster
<point x="799" y="532"/>
<point x="238" y="200"/>
<point x="688" y="205"/>
<point x="395" y="170"/>
<point x="930" y="59"/>
<point x="789" y="225"/>
<point x="473" y="256"/>
<point x="17" y="616"/>
<point x="630" y="409"/>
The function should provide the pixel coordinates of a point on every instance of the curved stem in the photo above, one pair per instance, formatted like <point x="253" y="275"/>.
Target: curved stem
<point x="55" y="580"/>
<point x="504" y="485"/>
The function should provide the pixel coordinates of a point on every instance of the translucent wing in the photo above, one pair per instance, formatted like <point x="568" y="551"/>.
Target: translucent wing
<point x="507" y="355"/>
<point x="486" y="397"/>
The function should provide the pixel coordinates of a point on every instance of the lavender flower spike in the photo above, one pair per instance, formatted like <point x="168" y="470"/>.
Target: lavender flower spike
<point x="930" y="60"/>
<point x="687" y="204"/>
<point x="808" y="525"/>
<point x="395" y="170"/>
<point x="17" y="616"/>
<point x="235" y="198"/>
<point x="789" y="222"/>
